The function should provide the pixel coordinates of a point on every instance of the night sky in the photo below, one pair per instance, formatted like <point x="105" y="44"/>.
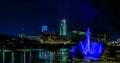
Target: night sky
<point x="28" y="16"/>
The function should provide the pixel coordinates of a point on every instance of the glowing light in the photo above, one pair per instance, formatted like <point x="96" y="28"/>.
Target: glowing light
<point x="63" y="54"/>
<point x="3" y="56"/>
<point x="13" y="57"/>
<point x="44" y="28"/>
<point x="73" y="48"/>
<point x="72" y="52"/>
<point x="63" y="27"/>
<point x="39" y="54"/>
<point x="90" y="48"/>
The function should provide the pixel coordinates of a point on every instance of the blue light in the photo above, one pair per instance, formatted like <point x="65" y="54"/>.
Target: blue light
<point x="72" y="52"/>
<point x="73" y="48"/>
<point x="44" y="28"/>
<point x="89" y="48"/>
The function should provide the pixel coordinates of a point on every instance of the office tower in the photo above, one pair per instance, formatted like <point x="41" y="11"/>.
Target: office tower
<point x="63" y="28"/>
<point x="44" y="28"/>
<point x="21" y="35"/>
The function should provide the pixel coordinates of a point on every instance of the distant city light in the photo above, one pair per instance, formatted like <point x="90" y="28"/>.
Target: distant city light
<point x="118" y="40"/>
<point x="44" y="28"/>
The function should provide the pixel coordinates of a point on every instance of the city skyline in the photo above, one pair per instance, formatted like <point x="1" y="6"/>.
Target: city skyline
<point x="59" y="31"/>
<point x="28" y="16"/>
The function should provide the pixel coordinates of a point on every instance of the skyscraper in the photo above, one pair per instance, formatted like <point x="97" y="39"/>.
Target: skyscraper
<point x="63" y="28"/>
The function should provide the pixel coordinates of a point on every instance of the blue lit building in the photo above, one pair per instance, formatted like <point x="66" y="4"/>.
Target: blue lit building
<point x="44" y="28"/>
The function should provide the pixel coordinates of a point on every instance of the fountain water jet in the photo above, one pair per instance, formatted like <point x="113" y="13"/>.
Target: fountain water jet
<point x="90" y="49"/>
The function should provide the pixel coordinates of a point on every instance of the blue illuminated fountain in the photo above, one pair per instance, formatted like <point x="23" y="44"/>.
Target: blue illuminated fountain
<point x="90" y="49"/>
<point x="72" y="53"/>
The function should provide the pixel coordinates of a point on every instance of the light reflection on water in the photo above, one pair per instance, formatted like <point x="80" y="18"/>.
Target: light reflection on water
<point x="52" y="56"/>
<point x="40" y="56"/>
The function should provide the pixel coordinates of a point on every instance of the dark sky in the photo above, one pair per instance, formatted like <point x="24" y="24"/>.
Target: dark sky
<point x="30" y="15"/>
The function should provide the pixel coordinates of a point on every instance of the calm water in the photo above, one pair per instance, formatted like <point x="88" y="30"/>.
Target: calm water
<point x="35" y="55"/>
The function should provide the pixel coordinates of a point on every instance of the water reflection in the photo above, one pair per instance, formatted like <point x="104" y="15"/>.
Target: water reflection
<point x="24" y="57"/>
<point x="72" y="53"/>
<point x="3" y="56"/>
<point x="63" y="55"/>
<point x="13" y="57"/>
<point x="35" y="55"/>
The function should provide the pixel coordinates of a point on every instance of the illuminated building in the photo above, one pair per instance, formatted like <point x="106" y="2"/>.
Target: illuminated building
<point x="44" y="28"/>
<point x="63" y="28"/>
<point x="100" y="37"/>
<point x="49" y="38"/>
<point x="118" y="40"/>
<point x="77" y="35"/>
<point x="21" y="35"/>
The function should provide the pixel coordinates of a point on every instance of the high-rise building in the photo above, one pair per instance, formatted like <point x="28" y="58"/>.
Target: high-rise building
<point x="21" y="35"/>
<point x="63" y="28"/>
<point x="44" y="28"/>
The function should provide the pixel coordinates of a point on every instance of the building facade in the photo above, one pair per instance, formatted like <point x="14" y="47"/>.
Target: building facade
<point x="63" y="28"/>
